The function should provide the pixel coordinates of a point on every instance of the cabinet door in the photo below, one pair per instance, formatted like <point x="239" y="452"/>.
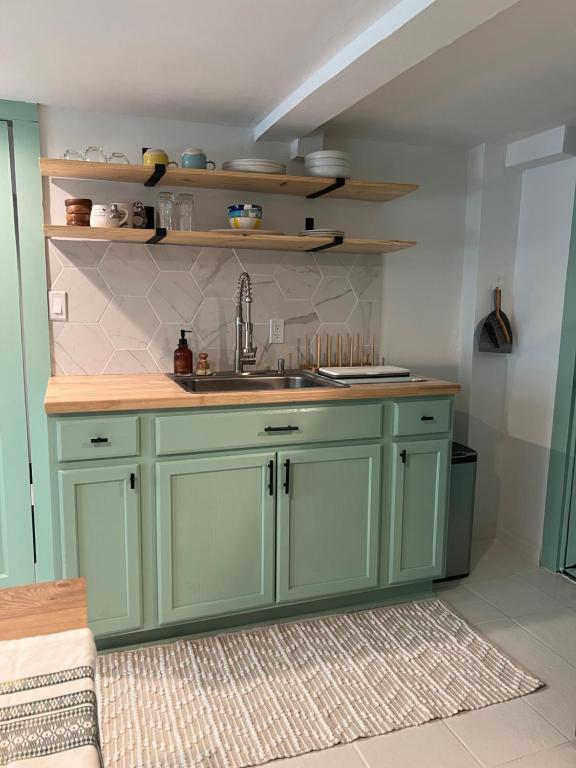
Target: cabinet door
<point x="418" y="510"/>
<point x="215" y="523"/>
<point x="100" y="519"/>
<point x="328" y="521"/>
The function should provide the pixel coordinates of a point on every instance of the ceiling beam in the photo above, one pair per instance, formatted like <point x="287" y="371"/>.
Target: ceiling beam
<point x="404" y="36"/>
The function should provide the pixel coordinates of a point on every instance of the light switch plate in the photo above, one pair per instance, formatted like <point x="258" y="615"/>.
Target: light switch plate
<point x="276" y="332"/>
<point x="58" y="305"/>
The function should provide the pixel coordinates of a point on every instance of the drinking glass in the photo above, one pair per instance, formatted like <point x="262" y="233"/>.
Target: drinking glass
<point x="73" y="154"/>
<point x="118" y="157"/>
<point x="185" y="214"/>
<point x="165" y="210"/>
<point x="95" y="155"/>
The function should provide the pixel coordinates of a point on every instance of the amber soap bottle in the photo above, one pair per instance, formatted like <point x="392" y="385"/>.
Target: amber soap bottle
<point x="183" y="361"/>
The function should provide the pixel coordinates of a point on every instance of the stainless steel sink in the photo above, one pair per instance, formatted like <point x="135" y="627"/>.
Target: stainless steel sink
<point x="253" y="382"/>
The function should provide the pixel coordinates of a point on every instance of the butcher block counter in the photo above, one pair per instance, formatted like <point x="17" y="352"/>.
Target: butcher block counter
<point x="125" y="392"/>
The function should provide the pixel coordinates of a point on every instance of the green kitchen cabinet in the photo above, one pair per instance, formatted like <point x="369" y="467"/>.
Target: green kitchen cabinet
<point x="100" y="519"/>
<point x="215" y="534"/>
<point x="328" y="512"/>
<point x="419" y="487"/>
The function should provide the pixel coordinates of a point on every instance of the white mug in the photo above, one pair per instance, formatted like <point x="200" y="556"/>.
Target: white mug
<point x="129" y="208"/>
<point x="108" y="215"/>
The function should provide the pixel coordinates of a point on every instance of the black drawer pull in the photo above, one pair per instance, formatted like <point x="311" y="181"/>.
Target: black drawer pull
<point x="281" y="429"/>
<point x="99" y="440"/>
<point x="132" y="481"/>
<point x="287" y="476"/>
<point x="427" y="418"/>
<point x="271" y="477"/>
<point x="403" y="456"/>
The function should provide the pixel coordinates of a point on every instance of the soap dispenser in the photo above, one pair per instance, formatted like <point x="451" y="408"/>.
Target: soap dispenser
<point x="183" y="362"/>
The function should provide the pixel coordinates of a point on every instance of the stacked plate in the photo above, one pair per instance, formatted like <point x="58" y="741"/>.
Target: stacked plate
<point x="322" y="233"/>
<point x="328" y="162"/>
<point x="253" y="165"/>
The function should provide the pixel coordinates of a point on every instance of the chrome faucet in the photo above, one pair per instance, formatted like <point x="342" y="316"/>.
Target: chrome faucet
<point x="244" y="351"/>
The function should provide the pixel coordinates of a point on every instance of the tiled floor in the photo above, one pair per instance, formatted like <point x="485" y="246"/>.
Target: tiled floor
<point x="529" y="613"/>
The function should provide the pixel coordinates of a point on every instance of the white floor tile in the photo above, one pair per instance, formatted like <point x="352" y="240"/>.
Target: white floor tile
<point x="504" y="732"/>
<point x="337" y="757"/>
<point x="495" y="559"/>
<point x="560" y="587"/>
<point x="470" y="606"/>
<point x="425" y="746"/>
<point x="558" y="757"/>
<point x="524" y="648"/>
<point x="557" y="629"/>
<point x="556" y="701"/>
<point x="514" y="596"/>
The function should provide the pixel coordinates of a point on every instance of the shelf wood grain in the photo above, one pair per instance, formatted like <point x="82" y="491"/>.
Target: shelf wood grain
<point x="156" y="391"/>
<point x="218" y="240"/>
<point x="374" y="191"/>
<point x="43" y="609"/>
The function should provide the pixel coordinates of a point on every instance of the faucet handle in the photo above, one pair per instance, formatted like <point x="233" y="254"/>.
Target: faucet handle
<point x="280" y="365"/>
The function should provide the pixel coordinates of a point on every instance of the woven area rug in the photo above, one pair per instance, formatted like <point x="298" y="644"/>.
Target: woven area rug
<point x="245" y="698"/>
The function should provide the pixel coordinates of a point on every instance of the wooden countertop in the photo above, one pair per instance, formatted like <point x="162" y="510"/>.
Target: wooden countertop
<point x="43" y="609"/>
<point x="155" y="391"/>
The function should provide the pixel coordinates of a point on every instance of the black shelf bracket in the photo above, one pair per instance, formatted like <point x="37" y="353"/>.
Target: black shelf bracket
<point x="159" y="171"/>
<point x="160" y="235"/>
<point x="337" y="240"/>
<point x="338" y="182"/>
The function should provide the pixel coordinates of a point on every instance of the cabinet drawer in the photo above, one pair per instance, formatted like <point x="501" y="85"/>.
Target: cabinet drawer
<point x="79" y="439"/>
<point x="192" y="432"/>
<point x="422" y="417"/>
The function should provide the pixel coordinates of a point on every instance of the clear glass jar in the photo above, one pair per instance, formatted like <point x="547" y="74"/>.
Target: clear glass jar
<point x="185" y="212"/>
<point x="165" y="210"/>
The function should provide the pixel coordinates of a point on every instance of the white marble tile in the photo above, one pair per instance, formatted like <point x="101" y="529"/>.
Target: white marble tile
<point x="175" y="297"/>
<point x="563" y="756"/>
<point x="366" y="277"/>
<point x="469" y="605"/>
<point x="80" y="254"/>
<point x="432" y="745"/>
<point x="269" y="301"/>
<point x="220" y="359"/>
<point x="514" y="597"/>
<point x="174" y="258"/>
<point x="297" y="276"/>
<point x="504" y="732"/>
<point x="336" y="757"/>
<point x="299" y="319"/>
<point x="332" y="329"/>
<point x="214" y="323"/>
<point x="334" y="299"/>
<point x="259" y="262"/>
<point x="131" y="361"/>
<point x="88" y="294"/>
<point x="82" y="348"/>
<point x="53" y="263"/>
<point x="129" y="322"/>
<point x="555" y="701"/>
<point x="165" y="341"/>
<point x="333" y="264"/>
<point x="216" y="271"/>
<point x="128" y="269"/>
<point x="556" y="629"/>
<point x="365" y="320"/>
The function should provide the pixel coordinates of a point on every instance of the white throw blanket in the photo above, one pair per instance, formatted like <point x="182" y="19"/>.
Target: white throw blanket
<point x="48" y="712"/>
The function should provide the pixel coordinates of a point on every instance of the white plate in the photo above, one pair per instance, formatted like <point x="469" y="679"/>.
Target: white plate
<point x="254" y="165"/>
<point x="244" y="232"/>
<point x="328" y="154"/>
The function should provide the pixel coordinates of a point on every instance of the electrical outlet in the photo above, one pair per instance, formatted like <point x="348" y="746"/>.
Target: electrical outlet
<point x="276" y="332"/>
<point x="58" y="305"/>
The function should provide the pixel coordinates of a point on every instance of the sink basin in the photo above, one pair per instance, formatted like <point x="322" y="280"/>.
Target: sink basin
<point x="253" y="382"/>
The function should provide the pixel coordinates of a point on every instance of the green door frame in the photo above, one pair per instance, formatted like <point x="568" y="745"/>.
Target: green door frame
<point x="563" y="447"/>
<point x="23" y="119"/>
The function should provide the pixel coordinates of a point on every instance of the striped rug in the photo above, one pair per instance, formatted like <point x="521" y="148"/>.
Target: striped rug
<point x="246" y="698"/>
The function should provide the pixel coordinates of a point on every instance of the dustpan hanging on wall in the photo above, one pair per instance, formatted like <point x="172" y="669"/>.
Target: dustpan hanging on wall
<point x="496" y="332"/>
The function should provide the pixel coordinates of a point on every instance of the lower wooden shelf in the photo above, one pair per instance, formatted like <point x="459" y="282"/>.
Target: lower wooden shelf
<point x="221" y="240"/>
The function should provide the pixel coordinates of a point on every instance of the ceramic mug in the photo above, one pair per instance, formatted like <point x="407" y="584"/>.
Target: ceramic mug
<point x="195" y="158"/>
<point x="129" y="208"/>
<point x="153" y="156"/>
<point x="109" y="215"/>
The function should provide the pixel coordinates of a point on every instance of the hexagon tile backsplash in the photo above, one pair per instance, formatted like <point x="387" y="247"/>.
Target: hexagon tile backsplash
<point x="127" y="303"/>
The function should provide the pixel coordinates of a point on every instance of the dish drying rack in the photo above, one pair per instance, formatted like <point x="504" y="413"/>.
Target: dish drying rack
<point x="341" y="350"/>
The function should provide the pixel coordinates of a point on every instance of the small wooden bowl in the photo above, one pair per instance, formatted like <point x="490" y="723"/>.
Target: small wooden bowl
<point x="85" y="209"/>
<point x="77" y="201"/>
<point x="78" y="219"/>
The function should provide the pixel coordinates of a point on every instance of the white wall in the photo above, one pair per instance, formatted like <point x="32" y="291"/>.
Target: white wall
<point x="539" y="282"/>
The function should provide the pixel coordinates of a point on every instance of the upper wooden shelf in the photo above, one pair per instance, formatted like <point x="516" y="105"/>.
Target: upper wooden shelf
<point x="375" y="191"/>
<point x="219" y="240"/>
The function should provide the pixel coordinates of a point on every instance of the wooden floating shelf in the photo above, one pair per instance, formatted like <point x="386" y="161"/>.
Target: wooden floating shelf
<point x="218" y="240"/>
<point x="375" y="191"/>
